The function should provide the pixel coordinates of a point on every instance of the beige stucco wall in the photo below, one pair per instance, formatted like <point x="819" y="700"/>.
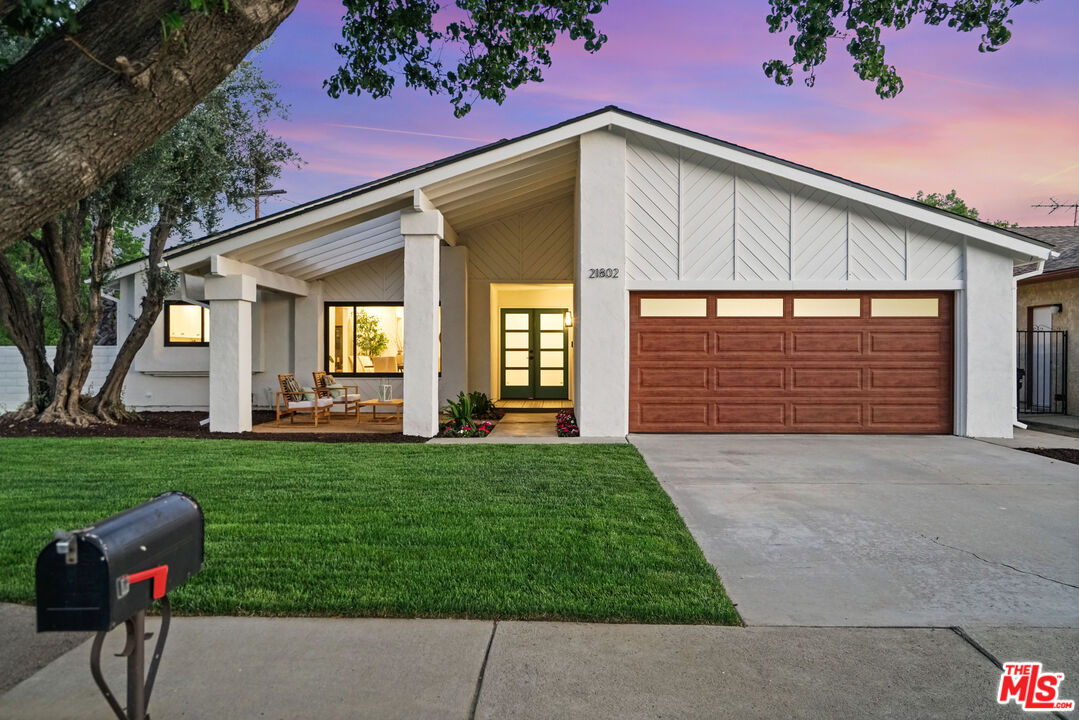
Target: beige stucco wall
<point x="1066" y="294"/>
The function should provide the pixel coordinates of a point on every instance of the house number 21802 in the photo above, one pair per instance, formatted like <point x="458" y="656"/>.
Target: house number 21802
<point x="602" y="273"/>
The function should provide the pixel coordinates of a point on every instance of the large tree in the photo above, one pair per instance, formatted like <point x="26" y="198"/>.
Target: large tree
<point x="212" y="159"/>
<point x="861" y="23"/>
<point x="101" y="86"/>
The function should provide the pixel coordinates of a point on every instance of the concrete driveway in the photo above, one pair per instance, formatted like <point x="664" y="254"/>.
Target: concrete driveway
<point x="879" y="531"/>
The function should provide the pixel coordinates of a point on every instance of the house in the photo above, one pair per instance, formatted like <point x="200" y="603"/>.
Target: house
<point x="1047" y="318"/>
<point x="658" y="279"/>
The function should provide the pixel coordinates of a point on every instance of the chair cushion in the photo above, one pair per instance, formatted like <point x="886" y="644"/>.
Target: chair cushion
<point x="336" y="390"/>
<point x="309" y="393"/>
<point x="346" y="397"/>
<point x="309" y="404"/>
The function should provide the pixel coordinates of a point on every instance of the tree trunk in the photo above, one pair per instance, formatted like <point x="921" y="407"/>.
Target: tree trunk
<point x="23" y="321"/>
<point x="108" y="404"/>
<point x="60" y="246"/>
<point x="78" y="109"/>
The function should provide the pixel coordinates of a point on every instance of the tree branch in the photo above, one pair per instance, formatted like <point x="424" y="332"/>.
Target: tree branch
<point x="67" y="124"/>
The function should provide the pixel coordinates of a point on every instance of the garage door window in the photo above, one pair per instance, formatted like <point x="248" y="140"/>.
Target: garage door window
<point x="827" y="307"/>
<point x="749" y="307"/>
<point x="904" y="307"/>
<point x="674" y="307"/>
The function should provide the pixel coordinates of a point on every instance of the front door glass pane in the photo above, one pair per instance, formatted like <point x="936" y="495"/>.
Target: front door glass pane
<point x="517" y="378"/>
<point x="552" y="359"/>
<point x="552" y="378"/>
<point x="516" y="321"/>
<point x="552" y="340"/>
<point x="552" y="321"/>
<point x="516" y="358"/>
<point x="517" y="341"/>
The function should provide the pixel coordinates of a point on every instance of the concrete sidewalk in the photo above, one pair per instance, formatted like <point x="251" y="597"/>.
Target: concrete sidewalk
<point x="374" y="668"/>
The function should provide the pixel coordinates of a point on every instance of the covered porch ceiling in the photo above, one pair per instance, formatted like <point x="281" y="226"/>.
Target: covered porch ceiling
<point x="466" y="201"/>
<point x="477" y="197"/>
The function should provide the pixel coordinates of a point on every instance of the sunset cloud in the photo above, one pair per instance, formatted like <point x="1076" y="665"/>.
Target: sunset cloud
<point x="1001" y="128"/>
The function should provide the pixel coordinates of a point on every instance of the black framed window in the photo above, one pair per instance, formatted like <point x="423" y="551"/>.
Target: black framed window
<point x="367" y="339"/>
<point x="186" y="325"/>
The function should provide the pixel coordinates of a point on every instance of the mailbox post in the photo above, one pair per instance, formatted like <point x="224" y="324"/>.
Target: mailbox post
<point x="112" y="572"/>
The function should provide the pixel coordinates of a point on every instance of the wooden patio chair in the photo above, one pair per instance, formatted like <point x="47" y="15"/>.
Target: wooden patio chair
<point x="291" y="401"/>
<point x="347" y="396"/>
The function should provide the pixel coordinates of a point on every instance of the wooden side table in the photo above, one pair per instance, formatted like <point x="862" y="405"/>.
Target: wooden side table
<point x="376" y="404"/>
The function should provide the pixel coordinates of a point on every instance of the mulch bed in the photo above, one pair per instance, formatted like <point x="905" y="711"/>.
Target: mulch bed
<point x="186" y="425"/>
<point x="1070" y="455"/>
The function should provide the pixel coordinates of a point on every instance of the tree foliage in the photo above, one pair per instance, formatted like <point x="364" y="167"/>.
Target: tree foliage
<point x="496" y="47"/>
<point x="862" y="22"/>
<point x="955" y="204"/>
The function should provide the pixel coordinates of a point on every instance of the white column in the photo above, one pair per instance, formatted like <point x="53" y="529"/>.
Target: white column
<point x="453" y="291"/>
<point x="230" y="299"/>
<point x="989" y="329"/>
<point x="308" y="326"/>
<point x="601" y="326"/>
<point x="422" y="231"/>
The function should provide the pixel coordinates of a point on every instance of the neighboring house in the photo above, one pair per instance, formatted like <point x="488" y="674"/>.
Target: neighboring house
<point x="659" y="279"/>
<point x="1048" y="305"/>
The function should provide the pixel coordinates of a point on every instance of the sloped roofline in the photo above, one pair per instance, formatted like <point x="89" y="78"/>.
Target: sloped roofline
<point x="609" y="116"/>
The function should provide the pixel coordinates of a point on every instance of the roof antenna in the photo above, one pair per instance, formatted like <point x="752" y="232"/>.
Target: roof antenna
<point x="1057" y="205"/>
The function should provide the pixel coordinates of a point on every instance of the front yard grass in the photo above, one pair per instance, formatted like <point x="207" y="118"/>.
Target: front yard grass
<point x="575" y="532"/>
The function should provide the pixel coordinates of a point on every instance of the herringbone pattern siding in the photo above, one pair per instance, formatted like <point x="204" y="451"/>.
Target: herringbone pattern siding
<point x="531" y="246"/>
<point x="707" y="218"/>
<point x="763" y="228"/>
<point x="820" y="230"/>
<point x="934" y="254"/>
<point x="877" y="245"/>
<point x="652" y="214"/>
<point x="695" y="217"/>
<point x="380" y="279"/>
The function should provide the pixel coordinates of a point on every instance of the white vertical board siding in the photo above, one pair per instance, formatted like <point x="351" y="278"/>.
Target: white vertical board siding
<point x="762" y="230"/>
<point x="707" y="218"/>
<point x="652" y="211"/>
<point x="380" y="279"/>
<point x="692" y="217"/>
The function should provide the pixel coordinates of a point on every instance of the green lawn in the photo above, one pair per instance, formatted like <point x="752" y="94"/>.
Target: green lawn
<point x="576" y="532"/>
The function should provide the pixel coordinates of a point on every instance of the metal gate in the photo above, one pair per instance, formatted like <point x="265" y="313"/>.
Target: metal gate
<point x="1042" y="360"/>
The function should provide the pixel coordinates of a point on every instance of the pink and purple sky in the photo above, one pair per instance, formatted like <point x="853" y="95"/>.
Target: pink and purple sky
<point x="1001" y="128"/>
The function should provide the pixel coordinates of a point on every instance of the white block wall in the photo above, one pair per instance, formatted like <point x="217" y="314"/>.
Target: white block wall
<point x="13" y="373"/>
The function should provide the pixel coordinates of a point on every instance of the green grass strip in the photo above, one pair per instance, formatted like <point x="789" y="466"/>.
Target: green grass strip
<point x="571" y="532"/>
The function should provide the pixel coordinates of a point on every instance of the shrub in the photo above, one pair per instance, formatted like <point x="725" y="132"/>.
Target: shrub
<point x="483" y="408"/>
<point x="460" y="421"/>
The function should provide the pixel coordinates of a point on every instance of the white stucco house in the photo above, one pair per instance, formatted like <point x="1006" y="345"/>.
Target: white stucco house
<point x="658" y="279"/>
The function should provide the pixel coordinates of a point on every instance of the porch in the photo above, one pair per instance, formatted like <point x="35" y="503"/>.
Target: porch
<point x="439" y="270"/>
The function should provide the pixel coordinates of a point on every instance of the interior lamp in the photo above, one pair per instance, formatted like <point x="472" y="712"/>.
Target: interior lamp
<point x="568" y="319"/>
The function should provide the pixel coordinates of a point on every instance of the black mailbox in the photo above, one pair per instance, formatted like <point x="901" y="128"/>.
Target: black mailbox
<point x="103" y="574"/>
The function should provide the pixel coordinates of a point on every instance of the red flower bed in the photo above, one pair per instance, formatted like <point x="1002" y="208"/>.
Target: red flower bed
<point x="473" y="429"/>
<point x="566" y="424"/>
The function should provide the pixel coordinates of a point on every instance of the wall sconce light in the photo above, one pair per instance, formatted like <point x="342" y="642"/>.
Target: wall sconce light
<point x="568" y="319"/>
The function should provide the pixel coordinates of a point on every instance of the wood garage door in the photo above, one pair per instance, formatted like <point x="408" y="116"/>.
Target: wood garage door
<point x="791" y="362"/>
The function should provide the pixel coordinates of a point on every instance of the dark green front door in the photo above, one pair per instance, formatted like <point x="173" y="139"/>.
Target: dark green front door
<point x="534" y="354"/>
